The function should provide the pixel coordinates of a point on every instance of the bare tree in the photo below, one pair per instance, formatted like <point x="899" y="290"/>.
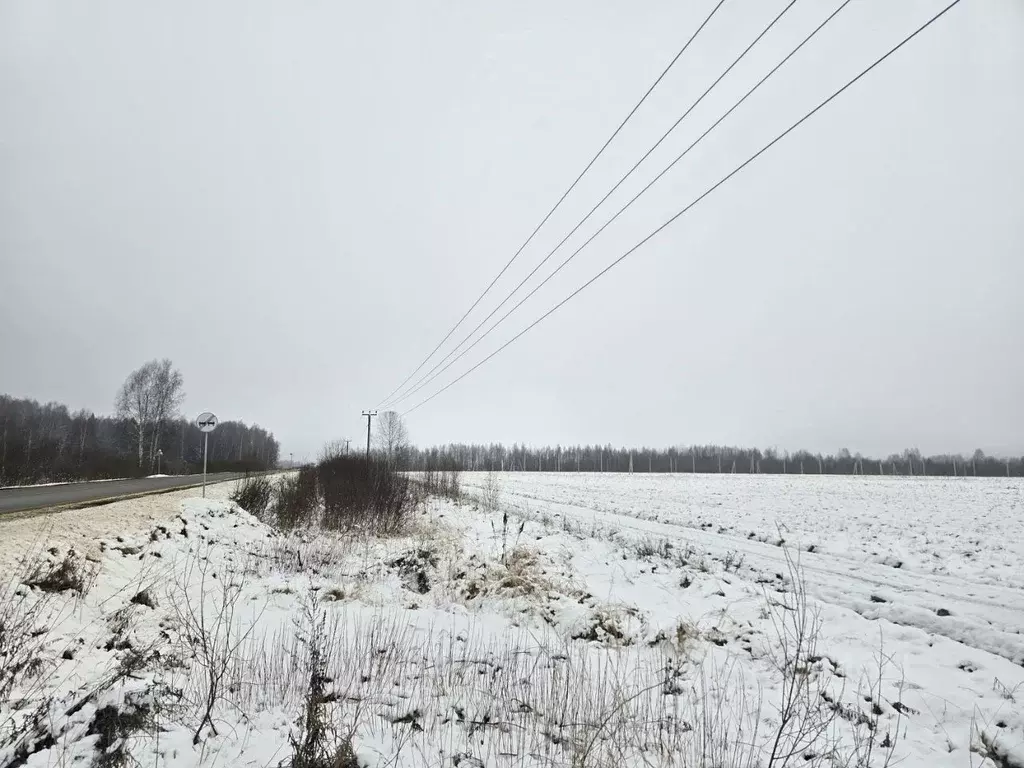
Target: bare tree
<point x="332" y="450"/>
<point x="169" y="394"/>
<point x="135" y="404"/>
<point x="392" y="436"/>
<point x="149" y="397"/>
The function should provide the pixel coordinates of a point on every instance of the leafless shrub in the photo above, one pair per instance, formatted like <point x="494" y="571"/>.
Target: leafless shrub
<point x="346" y="493"/>
<point x="364" y="495"/>
<point x="868" y="737"/>
<point x="441" y="476"/>
<point x="733" y="562"/>
<point x="22" y="637"/>
<point x="315" y="743"/>
<point x="25" y="621"/>
<point x="295" y="501"/>
<point x="804" y="719"/>
<point x="211" y="632"/>
<point x="254" y="494"/>
<point x="726" y="716"/>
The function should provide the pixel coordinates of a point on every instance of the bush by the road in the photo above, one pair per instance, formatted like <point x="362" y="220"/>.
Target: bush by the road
<point x="253" y="494"/>
<point x="343" y="493"/>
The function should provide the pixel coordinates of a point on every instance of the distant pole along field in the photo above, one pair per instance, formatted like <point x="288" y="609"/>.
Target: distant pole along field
<point x="369" y="417"/>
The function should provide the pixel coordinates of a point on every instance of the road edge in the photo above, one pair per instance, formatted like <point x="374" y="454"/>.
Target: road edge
<point x="26" y="514"/>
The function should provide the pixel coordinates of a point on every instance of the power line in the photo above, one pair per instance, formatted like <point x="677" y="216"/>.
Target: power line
<point x="428" y="378"/>
<point x="561" y="199"/>
<point x="693" y="203"/>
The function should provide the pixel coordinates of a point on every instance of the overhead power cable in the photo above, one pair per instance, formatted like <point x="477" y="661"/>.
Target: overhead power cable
<point x="431" y="375"/>
<point x="694" y="202"/>
<point x="565" y="194"/>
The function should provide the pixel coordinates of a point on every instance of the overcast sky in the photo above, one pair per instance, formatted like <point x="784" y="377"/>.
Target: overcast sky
<point x="296" y="201"/>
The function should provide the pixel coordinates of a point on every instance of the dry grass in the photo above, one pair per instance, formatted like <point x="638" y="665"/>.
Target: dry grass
<point x="72" y="573"/>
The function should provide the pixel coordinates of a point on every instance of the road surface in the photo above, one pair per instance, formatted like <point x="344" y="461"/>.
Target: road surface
<point x="43" y="496"/>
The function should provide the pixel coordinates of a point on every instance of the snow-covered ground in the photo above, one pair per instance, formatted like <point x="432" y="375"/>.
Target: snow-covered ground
<point x="547" y="621"/>
<point x="933" y="566"/>
<point x="961" y="527"/>
<point x="903" y="549"/>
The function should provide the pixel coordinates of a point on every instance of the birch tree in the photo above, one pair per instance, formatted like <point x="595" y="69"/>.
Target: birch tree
<point x="392" y="436"/>
<point x="149" y="397"/>
<point x="169" y="394"/>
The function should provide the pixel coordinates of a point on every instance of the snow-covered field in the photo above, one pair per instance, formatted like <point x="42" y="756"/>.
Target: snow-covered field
<point x="902" y="549"/>
<point x="547" y="620"/>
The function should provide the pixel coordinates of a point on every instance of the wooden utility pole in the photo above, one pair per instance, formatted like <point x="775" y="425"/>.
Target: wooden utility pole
<point x="347" y="441"/>
<point x="369" y="417"/>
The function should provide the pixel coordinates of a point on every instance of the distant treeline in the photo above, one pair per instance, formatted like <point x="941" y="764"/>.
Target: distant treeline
<point x="706" y="459"/>
<point x="48" y="443"/>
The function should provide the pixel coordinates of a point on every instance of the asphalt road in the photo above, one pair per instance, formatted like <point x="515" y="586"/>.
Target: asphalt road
<point x="42" y="496"/>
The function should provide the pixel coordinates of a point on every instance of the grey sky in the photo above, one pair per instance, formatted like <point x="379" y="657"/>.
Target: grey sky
<point x="295" y="201"/>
